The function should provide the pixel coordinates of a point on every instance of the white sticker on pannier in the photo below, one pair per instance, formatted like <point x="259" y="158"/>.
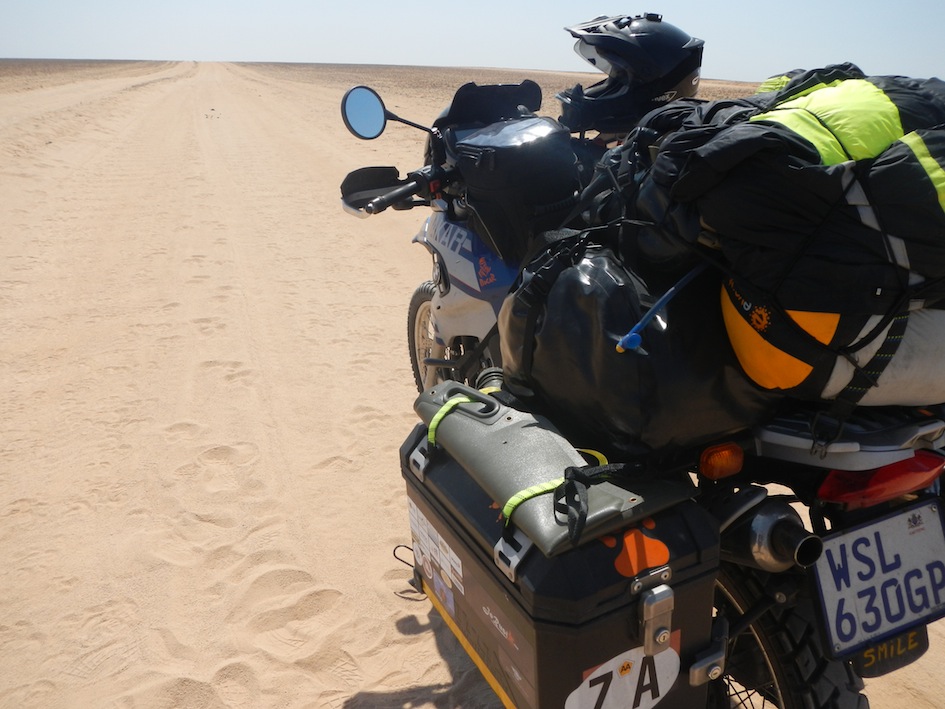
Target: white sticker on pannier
<point x="630" y="679"/>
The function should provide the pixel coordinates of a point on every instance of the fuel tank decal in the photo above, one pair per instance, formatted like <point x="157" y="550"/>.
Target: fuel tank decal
<point x="455" y="244"/>
<point x="485" y="273"/>
<point x="473" y="267"/>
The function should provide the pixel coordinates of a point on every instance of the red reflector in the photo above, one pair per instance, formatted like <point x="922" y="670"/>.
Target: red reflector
<point x="864" y="488"/>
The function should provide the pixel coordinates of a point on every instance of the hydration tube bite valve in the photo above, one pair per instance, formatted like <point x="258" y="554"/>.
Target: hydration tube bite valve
<point x="633" y="340"/>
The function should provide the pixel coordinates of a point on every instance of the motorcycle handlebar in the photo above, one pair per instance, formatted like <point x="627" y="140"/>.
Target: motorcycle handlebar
<point x="379" y="204"/>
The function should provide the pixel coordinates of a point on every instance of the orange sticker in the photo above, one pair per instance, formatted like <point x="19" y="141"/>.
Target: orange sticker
<point x="640" y="552"/>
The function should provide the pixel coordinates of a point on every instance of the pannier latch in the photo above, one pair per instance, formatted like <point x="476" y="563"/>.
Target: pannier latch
<point x="710" y="664"/>
<point x="510" y="550"/>
<point x="656" y="618"/>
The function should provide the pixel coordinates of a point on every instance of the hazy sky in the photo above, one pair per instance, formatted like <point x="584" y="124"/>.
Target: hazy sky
<point x="744" y="40"/>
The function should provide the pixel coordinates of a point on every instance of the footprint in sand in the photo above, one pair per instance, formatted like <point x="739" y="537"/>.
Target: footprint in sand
<point x="234" y="371"/>
<point x="209" y="326"/>
<point x="228" y="365"/>
<point x="183" y="431"/>
<point x="22" y="513"/>
<point x="108" y="641"/>
<point x="234" y="685"/>
<point x="283" y="615"/>
<point x="193" y="538"/>
<point x="174" y="692"/>
<point x="243" y="376"/>
<point x="335" y="667"/>
<point x="366" y="415"/>
<point x="334" y="464"/>
<point x="237" y="686"/>
<point x="229" y="467"/>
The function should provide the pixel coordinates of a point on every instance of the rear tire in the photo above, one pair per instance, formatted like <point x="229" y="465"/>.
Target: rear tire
<point x="778" y="661"/>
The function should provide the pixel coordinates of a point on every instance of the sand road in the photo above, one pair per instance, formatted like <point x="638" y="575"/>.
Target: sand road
<point x="205" y="385"/>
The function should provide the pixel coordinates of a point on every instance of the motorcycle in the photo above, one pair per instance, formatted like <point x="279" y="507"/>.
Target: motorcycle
<point x="495" y="176"/>
<point x="765" y="567"/>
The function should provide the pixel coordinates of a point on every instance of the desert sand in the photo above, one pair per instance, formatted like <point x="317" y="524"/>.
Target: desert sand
<point x="205" y="385"/>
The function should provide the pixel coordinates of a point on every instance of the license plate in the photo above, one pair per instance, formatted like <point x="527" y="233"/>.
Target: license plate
<point x="882" y="577"/>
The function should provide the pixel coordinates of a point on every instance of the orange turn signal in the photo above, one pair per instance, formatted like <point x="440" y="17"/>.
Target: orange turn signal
<point x="721" y="461"/>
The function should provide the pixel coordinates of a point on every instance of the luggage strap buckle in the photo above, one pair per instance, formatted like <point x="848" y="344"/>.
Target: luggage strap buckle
<point x="510" y="550"/>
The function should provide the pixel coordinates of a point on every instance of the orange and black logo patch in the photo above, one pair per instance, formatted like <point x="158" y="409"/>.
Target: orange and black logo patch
<point x="758" y="316"/>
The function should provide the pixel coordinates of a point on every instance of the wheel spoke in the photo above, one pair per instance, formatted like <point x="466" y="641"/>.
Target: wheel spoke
<point x="749" y="680"/>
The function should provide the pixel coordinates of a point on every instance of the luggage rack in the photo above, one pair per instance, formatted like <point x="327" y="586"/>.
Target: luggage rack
<point x="871" y="437"/>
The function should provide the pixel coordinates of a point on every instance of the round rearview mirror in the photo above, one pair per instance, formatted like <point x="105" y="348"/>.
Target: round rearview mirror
<point x="363" y="112"/>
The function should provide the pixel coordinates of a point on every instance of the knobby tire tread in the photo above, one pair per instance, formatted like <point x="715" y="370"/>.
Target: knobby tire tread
<point x="808" y="678"/>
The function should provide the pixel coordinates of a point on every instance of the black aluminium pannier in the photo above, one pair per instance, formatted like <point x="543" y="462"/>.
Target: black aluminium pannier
<point x="521" y="176"/>
<point x="559" y="333"/>
<point x="544" y="617"/>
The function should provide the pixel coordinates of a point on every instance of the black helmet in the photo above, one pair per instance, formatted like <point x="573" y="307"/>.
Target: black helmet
<point x="648" y="63"/>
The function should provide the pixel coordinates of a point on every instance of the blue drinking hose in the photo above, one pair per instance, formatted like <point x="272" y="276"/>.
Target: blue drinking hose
<point x="633" y="339"/>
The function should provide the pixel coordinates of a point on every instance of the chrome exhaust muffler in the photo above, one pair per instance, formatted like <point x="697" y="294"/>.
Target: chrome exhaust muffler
<point x="771" y="537"/>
